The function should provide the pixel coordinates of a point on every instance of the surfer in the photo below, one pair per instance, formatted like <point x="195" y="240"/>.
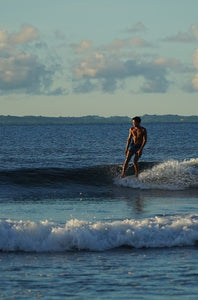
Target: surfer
<point x="135" y="143"/>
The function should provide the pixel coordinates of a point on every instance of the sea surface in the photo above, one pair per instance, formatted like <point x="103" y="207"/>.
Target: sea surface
<point x="71" y="228"/>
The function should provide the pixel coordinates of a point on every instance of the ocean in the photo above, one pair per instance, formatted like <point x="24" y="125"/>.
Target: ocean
<point x="71" y="228"/>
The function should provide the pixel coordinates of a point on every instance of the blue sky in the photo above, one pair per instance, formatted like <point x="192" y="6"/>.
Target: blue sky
<point x="98" y="57"/>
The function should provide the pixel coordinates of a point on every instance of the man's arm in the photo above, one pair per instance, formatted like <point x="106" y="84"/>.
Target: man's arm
<point x="128" y="141"/>
<point x="144" y="140"/>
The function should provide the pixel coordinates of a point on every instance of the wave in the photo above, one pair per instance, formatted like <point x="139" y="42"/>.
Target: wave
<point x="169" y="175"/>
<point x="45" y="236"/>
<point x="100" y="174"/>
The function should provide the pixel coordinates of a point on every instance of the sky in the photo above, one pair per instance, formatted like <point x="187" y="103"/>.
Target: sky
<point x="98" y="57"/>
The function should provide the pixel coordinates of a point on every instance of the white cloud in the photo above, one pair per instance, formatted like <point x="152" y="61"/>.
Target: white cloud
<point x="107" y="73"/>
<point x="25" y="65"/>
<point x="195" y="59"/>
<point x="171" y="63"/>
<point x="3" y="37"/>
<point x="195" y="81"/>
<point x="22" y="71"/>
<point x="90" y="65"/>
<point x="27" y="34"/>
<point x="109" y="67"/>
<point x="82" y="47"/>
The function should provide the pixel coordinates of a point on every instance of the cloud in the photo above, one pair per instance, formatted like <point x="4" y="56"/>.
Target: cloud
<point x="139" y="42"/>
<point x="195" y="77"/>
<point x="3" y="38"/>
<point x="60" y="35"/>
<point x="190" y="36"/>
<point x="102" y="72"/>
<point x="89" y="66"/>
<point x="125" y="61"/>
<point x="138" y="27"/>
<point x="195" y="59"/>
<point x="192" y="85"/>
<point x="29" y="65"/>
<point x="27" y="34"/>
<point x="170" y="63"/>
<point x="180" y="37"/>
<point x="57" y="92"/>
<point x="194" y="30"/>
<point x="195" y="81"/>
<point x="86" y="85"/>
<point x="82" y="47"/>
<point x="106" y="68"/>
<point x="119" y="46"/>
<point x="184" y="37"/>
<point x="116" y="46"/>
<point x="21" y="71"/>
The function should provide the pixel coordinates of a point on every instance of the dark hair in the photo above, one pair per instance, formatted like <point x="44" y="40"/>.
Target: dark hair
<point x="137" y="119"/>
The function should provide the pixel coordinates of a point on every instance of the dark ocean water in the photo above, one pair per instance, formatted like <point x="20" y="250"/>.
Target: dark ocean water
<point x="70" y="228"/>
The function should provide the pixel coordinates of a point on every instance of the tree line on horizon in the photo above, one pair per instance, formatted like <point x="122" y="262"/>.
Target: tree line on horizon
<point x="92" y="119"/>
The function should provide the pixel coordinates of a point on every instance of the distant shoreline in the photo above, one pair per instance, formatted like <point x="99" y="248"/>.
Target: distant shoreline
<point x="93" y="119"/>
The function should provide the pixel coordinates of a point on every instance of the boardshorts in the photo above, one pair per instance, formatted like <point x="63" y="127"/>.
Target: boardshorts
<point x="134" y="148"/>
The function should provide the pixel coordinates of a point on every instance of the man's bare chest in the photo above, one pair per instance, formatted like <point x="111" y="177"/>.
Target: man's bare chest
<point x="137" y="133"/>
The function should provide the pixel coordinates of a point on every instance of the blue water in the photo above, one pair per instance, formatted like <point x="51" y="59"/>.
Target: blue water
<point x="70" y="228"/>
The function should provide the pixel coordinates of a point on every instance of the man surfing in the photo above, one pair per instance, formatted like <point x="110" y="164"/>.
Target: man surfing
<point x="135" y="143"/>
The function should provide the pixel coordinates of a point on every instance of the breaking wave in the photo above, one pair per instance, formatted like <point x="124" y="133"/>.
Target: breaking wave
<point x="45" y="236"/>
<point x="169" y="175"/>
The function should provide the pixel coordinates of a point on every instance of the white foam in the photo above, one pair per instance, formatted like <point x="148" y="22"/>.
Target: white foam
<point x="46" y="236"/>
<point x="170" y="175"/>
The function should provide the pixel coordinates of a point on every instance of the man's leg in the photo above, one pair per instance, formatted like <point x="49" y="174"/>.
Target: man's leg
<point x="127" y="160"/>
<point x="136" y="164"/>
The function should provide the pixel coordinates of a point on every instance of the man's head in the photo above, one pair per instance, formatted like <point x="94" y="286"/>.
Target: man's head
<point x="136" y="121"/>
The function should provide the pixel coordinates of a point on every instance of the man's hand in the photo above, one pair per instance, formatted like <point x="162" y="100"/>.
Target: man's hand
<point x="139" y="153"/>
